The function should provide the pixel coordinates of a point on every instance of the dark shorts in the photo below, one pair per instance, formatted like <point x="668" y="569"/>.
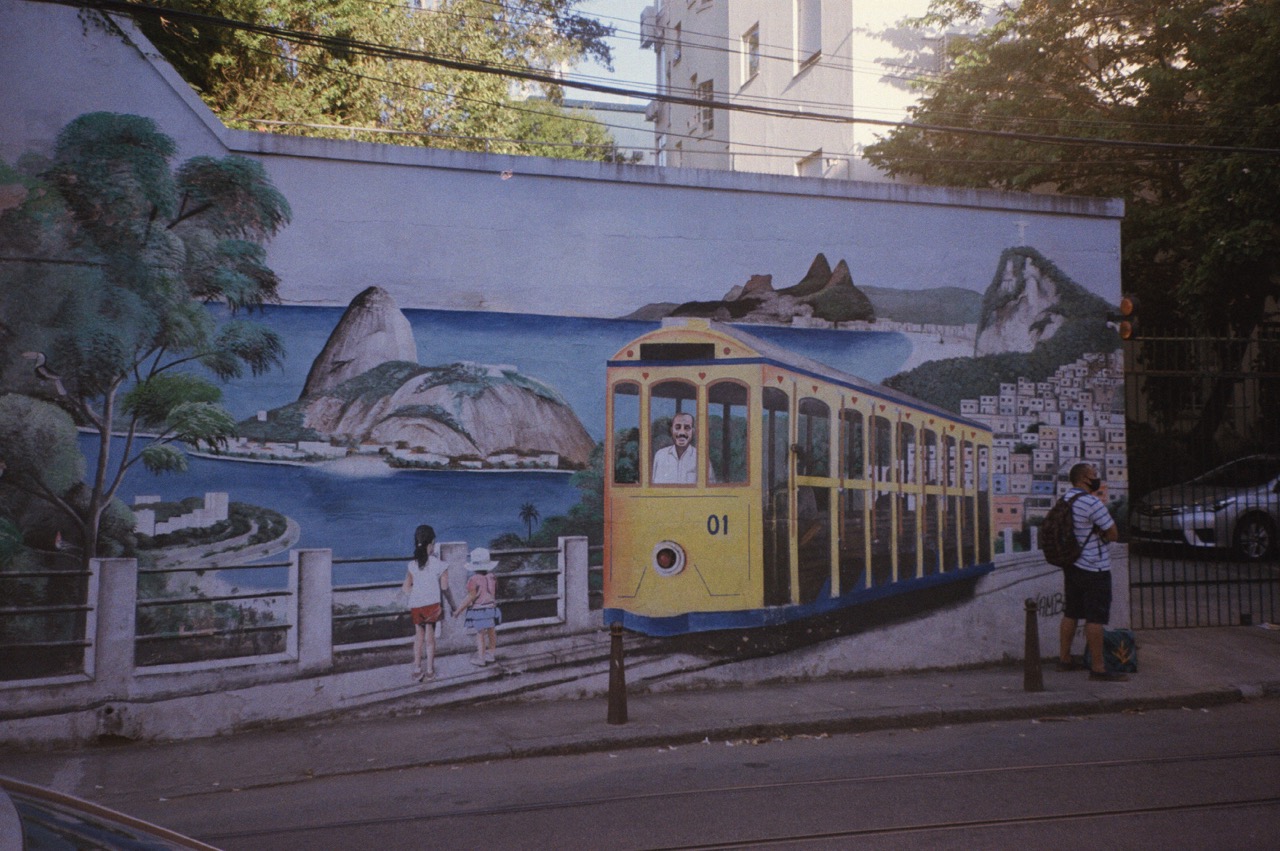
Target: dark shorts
<point x="1087" y="595"/>
<point x="424" y="615"/>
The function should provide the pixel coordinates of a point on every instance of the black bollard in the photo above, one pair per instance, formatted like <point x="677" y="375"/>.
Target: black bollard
<point x="1032" y="675"/>
<point x="617" y="677"/>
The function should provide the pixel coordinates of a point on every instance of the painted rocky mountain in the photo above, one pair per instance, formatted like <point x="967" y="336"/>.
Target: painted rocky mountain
<point x="823" y="293"/>
<point x="1029" y="302"/>
<point x="372" y="331"/>
<point x="1034" y="319"/>
<point x="435" y="415"/>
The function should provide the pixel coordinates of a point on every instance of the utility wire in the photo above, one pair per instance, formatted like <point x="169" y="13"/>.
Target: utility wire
<point x="1029" y="90"/>
<point x="782" y="152"/>
<point x="829" y="62"/>
<point x="386" y="52"/>
<point x="746" y="99"/>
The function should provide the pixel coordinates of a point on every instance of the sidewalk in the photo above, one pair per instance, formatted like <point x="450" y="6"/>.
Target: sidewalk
<point x="1178" y="668"/>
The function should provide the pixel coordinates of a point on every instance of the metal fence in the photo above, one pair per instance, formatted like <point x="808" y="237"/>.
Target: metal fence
<point x="208" y="622"/>
<point x="221" y="613"/>
<point x="1203" y="434"/>
<point x="43" y="613"/>
<point x="530" y="593"/>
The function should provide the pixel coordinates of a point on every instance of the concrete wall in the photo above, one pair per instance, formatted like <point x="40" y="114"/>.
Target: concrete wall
<point x="990" y="627"/>
<point x="448" y="230"/>
<point x="523" y="234"/>
<point x="115" y="696"/>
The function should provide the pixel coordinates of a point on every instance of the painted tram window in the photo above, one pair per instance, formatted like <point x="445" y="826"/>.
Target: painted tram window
<point x="626" y="433"/>
<point x="727" y="433"/>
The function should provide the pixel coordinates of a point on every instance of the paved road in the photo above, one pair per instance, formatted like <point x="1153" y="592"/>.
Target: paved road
<point x="1205" y="778"/>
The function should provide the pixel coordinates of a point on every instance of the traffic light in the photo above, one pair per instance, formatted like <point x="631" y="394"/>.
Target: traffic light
<point x="1127" y="318"/>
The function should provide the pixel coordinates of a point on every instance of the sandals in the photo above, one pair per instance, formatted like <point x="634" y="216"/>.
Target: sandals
<point x="417" y="675"/>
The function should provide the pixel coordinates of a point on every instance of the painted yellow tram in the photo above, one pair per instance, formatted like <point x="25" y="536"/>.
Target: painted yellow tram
<point x="748" y="486"/>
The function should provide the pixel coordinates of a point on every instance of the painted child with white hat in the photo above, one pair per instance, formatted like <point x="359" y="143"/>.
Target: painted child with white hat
<point x="481" y="606"/>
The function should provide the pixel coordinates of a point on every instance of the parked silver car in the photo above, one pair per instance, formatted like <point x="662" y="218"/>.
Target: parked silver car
<point x="1236" y="505"/>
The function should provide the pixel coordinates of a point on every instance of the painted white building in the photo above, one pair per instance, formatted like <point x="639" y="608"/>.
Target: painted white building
<point x="827" y="57"/>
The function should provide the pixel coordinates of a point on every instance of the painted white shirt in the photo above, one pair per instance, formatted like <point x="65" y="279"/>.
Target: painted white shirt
<point x="425" y="590"/>
<point x="668" y="469"/>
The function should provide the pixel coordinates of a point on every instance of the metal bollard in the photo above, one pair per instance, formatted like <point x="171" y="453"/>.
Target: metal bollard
<point x="617" y="677"/>
<point x="1032" y="675"/>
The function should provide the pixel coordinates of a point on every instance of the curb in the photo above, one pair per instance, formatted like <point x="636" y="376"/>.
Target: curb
<point x="762" y="731"/>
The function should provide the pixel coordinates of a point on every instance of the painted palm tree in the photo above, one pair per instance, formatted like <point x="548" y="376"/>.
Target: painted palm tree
<point x="529" y="514"/>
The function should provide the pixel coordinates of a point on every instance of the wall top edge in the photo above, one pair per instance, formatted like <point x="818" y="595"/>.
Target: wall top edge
<point x="262" y="144"/>
<point x="271" y="144"/>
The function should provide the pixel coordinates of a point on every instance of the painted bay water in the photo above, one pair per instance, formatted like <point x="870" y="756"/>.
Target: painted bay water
<point x="364" y="516"/>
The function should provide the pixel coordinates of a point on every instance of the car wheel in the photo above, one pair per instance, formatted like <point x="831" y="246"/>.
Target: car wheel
<point x="1255" y="537"/>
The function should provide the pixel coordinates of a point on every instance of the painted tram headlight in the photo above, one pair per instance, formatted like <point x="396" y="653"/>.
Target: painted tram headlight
<point x="668" y="558"/>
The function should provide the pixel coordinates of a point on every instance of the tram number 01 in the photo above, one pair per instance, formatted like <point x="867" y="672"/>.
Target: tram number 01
<point x="717" y="524"/>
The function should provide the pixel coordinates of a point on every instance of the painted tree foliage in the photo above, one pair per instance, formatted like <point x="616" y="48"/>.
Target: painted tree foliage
<point x="324" y="81"/>
<point x="1201" y="239"/>
<point x="110" y="259"/>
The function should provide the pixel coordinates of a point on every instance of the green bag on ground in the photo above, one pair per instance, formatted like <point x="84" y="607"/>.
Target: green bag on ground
<point x="1120" y="650"/>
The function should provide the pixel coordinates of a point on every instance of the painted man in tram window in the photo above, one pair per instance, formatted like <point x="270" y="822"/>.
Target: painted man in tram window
<point x="677" y="464"/>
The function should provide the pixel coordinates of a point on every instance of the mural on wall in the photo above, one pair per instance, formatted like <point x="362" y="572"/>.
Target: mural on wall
<point x="774" y="454"/>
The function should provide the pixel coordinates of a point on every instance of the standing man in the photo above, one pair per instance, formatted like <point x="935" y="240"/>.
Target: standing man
<point x="677" y="464"/>
<point x="1087" y="583"/>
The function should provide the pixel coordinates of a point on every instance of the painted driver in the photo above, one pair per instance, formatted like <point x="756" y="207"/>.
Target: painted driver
<point x="677" y="464"/>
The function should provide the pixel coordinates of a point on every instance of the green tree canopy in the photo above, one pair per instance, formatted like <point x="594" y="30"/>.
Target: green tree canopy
<point x="321" y="79"/>
<point x="110" y="257"/>
<point x="1200" y="79"/>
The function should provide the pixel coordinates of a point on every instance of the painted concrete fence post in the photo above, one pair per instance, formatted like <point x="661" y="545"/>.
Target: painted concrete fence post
<point x="116" y="625"/>
<point x="315" y="608"/>
<point x="574" y="568"/>
<point x="453" y="635"/>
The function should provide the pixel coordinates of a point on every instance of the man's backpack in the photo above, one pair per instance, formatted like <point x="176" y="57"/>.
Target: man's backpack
<point x="1058" y="534"/>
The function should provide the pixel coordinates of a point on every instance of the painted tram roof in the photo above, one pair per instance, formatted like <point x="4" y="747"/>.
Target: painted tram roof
<point x="755" y="350"/>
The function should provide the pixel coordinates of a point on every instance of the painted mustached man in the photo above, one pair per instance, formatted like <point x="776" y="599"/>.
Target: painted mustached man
<point x="677" y="464"/>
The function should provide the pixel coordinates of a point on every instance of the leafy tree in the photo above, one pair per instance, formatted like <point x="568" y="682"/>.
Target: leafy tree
<point x="325" y="76"/>
<point x="586" y="517"/>
<point x="529" y="515"/>
<point x="110" y="259"/>
<point x="1201" y="240"/>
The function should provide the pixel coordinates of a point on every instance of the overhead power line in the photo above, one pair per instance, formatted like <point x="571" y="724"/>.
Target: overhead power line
<point x="389" y="52"/>
<point x="757" y="150"/>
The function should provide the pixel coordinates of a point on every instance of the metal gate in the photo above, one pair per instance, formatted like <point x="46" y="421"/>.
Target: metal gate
<point x="1203" y="434"/>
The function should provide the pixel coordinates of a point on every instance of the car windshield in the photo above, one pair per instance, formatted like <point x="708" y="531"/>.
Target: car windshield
<point x="1245" y="473"/>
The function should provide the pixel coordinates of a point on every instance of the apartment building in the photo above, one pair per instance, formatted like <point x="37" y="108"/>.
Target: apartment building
<point x="824" y="57"/>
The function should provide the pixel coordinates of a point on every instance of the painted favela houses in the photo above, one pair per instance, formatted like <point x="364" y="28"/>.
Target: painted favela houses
<point x="747" y="417"/>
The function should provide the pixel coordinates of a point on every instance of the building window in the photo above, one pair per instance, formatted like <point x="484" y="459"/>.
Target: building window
<point x="808" y="20"/>
<point x="810" y="166"/>
<point x="705" y="118"/>
<point x="677" y="44"/>
<point x="751" y="53"/>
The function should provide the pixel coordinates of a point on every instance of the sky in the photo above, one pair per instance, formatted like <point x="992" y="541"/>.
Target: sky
<point x="633" y="67"/>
